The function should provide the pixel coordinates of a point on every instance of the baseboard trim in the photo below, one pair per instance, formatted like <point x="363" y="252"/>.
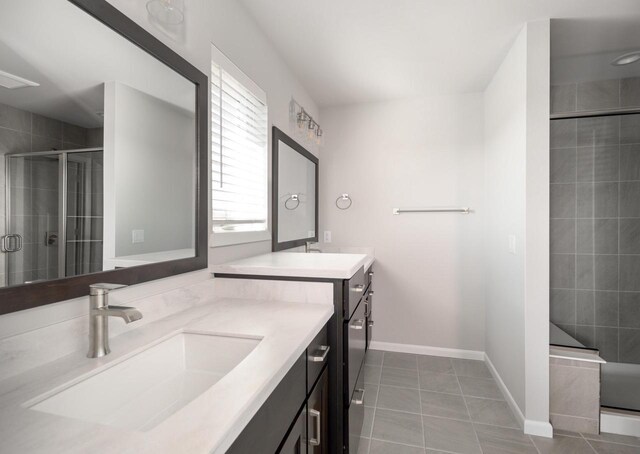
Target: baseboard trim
<point x="426" y="350"/>
<point x="530" y="426"/>
<point x="620" y="422"/>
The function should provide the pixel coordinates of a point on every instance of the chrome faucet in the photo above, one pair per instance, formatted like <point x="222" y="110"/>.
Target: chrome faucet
<point x="308" y="247"/>
<point x="99" y="313"/>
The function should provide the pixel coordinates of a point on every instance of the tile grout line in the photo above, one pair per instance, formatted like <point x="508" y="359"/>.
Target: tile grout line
<point x="424" y="434"/>
<point x="473" y="427"/>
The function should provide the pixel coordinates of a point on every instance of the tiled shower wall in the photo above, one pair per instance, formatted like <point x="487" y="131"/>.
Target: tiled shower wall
<point x="35" y="181"/>
<point x="595" y="218"/>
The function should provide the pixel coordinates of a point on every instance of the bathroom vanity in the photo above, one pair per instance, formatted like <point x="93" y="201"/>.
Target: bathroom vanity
<point x="348" y="331"/>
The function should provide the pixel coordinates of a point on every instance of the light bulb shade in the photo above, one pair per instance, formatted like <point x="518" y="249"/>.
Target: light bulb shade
<point x="167" y="11"/>
<point x="626" y="59"/>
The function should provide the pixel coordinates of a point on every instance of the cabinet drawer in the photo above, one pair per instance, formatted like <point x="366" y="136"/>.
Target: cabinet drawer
<point x="268" y="427"/>
<point x="353" y="292"/>
<point x="355" y="338"/>
<point x="356" y="414"/>
<point x="317" y="356"/>
<point x="368" y="276"/>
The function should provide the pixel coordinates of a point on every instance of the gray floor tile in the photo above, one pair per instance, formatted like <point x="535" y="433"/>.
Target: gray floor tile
<point x="405" y="378"/>
<point x="401" y="399"/>
<point x="480" y="387"/>
<point x="500" y="440"/>
<point x="440" y="383"/>
<point x="450" y="435"/>
<point x="370" y="395"/>
<point x="438" y="364"/>
<point x="384" y="447"/>
<point x="400" y="360"/>
<point x="374" y="357"/>
<point x="614" y="438"/>
<point x="470" y="368"/>
<point x="602" y="447"/>
<point x="394" y="426"/>
<point x="562" y="445"/>
<point x="493" y="412"/>
<point x="444" y="405"/>
<point x="367" y="423"/>
<point x="372" y="374"/>
<point x="363" y="446"/>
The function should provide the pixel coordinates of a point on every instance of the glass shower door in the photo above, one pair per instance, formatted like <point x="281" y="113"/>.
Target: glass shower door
<point x="33" y="222"/>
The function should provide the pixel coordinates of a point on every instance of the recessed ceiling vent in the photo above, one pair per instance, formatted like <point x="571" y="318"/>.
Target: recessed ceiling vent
<point x="627" y="58"/>
<point x="11" y="81"/>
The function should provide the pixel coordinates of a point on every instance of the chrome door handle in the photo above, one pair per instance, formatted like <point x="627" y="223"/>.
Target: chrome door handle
<point x="358" y="401"/>
<point x="357" y="324"/>
<point x="320" y="358"/>
<point x="358" y="288"/>
<point x="11" y="243"/>
<point x="316" y="441"/>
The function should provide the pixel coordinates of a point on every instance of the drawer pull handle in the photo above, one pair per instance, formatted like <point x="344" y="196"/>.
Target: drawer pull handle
<point x="316" y="441"/>
<point x="358" y="288"/>
<point x="370" y="273"/>
<point x="321" y="357"/>
<point x="358" y="401"/>
<point x="357" y="324"/>
<point x="371" y="292"/>
<point x="370" y="323"/>
<point x="366" y="309"/>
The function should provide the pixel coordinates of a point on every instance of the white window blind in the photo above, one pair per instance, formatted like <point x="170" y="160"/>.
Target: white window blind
<point x="239" y="135"/>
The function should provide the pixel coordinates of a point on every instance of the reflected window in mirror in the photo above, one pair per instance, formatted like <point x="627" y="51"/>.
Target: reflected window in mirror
<point x="239" y="147"/>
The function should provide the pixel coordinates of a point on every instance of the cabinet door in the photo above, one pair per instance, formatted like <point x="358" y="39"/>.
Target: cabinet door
<point x="318" y="417"/>
<point x="296" y="441"/>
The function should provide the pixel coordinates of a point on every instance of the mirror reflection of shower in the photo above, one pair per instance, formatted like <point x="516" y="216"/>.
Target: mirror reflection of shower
<point x="54" y="214"/>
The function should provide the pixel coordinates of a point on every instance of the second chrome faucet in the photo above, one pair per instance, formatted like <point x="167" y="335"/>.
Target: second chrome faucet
<point x="99" y="313"/>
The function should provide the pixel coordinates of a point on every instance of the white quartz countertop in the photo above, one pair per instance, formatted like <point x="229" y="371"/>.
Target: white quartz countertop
<point x="297" y="264"/>
<point x="209" y="423"/>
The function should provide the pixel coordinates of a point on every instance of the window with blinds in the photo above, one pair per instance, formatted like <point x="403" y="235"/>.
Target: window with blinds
<point x="239" y="134"/>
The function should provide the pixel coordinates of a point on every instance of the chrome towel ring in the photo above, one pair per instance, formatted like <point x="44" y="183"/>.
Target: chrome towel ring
<point x="344" y="202"/>
<point x="292" y="202"/>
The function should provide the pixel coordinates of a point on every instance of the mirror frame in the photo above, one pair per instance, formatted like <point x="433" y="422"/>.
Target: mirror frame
<point x="277" y="136"/>
<point x="27" y="296"/>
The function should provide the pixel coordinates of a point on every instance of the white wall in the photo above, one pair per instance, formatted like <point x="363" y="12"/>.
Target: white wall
<point x="517" y="203"/>
<point x="231" y="29"/>
<point x="147" y="143"/>
<point x="415" y="153"/>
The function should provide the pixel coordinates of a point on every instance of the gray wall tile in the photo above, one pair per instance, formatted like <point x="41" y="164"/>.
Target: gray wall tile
<point x="630" y="345"/>
<point x="598" y="131"/>
<point x="46" y="127"/>
<point x="563" y="200"/>
<point x="563" y="165"/>
<point x="563" y="133"/>
<point x="605" y="200"/>
<point x="74" y="134"/>
<point x="14" y="141"/>
<point x="630" y="236"/>
<point x="585" y="307"/>
<point x="563" y="98"/>
<point x="630" y="162"/>
<point x="584" y="236"/>
<point x="584" y="200"/>
<point x="585" y="272"/>
<point x="584" y="164"/>
<point x="630" y="199"/>
<point x="606" y="308"/>
<point x="630" y="129"/>
<point x="629" y="273"/>
<point x="630" y="92"/>
<point x="600" y="94"/>
<point x="606" y="163"/>
<point x="562" y="307"/>
<point x="15" y="119"/>
<point x="586" y="334"/>
<point x="563" y="273"/>
<point x="563" y="235"/>
<point x="605" y="236"/>
<point x="630" y="310"/>
<point x="606" y="272"/>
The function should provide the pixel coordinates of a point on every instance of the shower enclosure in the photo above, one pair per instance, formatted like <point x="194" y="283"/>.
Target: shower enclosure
<point x="595" y="228"/>
<point x="54" y="214"/>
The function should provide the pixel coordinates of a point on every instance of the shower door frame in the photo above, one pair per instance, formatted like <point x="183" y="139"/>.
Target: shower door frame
<point x="62" y="200"/>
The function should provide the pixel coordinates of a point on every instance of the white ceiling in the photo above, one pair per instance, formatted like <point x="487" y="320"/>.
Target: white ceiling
<point x="347" y="51"/>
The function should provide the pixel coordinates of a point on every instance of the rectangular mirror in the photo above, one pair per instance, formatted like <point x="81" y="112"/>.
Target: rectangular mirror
<point x="295" y="193"/>
<point x="101" y="151"/>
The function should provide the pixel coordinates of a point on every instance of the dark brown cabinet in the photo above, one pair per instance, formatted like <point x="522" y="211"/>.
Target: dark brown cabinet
<point x="295" y="443"/>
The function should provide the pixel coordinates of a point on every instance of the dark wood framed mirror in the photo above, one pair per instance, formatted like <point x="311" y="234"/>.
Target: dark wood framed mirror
<point x="295" y="193"/>
<point x="161" y="258"/>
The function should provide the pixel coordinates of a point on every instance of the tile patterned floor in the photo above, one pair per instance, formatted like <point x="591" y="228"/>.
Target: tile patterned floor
<point x="418" y="404"/>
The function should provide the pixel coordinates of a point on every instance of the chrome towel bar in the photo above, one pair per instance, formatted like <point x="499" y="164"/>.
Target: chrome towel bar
<point x="463" y="210"/>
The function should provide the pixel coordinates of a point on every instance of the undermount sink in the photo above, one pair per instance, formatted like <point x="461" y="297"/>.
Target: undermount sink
<point x="143" y="390"/>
